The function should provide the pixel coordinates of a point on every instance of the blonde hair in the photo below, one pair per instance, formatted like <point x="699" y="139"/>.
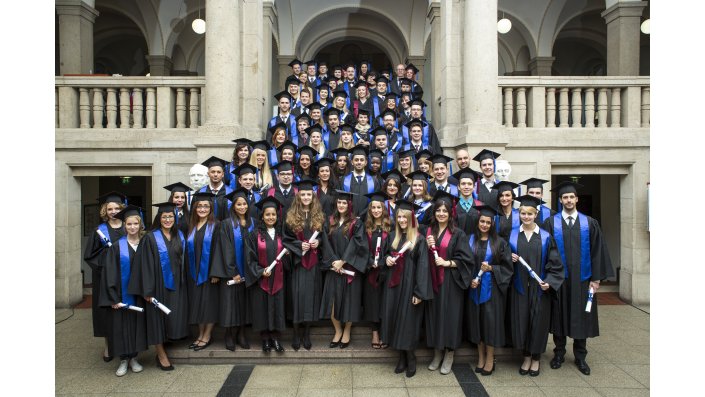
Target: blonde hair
<point x="104" y="210"/>
<point x="528" y="208"/>
<point x="265" y="173"/>
<point x="411" y="231"/>
<point x="295" y="219"/>
<point x="142" y="227"/>
<point x="350" y="144"/>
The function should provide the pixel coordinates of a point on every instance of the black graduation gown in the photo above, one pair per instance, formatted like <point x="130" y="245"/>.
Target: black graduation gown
<point x="401" y="320"/>
<point x="268" y="311"/>
<point x="339" y="294"/>
<point x="467" y="220"/>
<point x="306" y="284"/>
<point x="487" y="196"/>
<point x="183" y="221"/>
<point x="234" y="306"/>
<point x="328" y="201"/>
<point x="530" y="313"/>
<point x="203" y="299"/>
<point x="285" y="201"/>
<point x="444" y="313"/>
<point x="486" y="321"/>
<point x="333" y="139"/>
<point x="569" y="317"/>
<point x="359" y="201"/>
<point x="126" y="329"/>
<point x="221" y="209"/>
<point x="505" y="224"/>
<point x="371" y="294"/>
<point x="94" y="255"/>
<point x="147" y="280"/>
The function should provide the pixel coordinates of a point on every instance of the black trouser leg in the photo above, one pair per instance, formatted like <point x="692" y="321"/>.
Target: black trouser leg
<point x="560" y="342"/>
<point x="580" y="348"/>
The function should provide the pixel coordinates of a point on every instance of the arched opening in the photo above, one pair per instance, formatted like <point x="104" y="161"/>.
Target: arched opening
<point x="119" y="45"/>
<point x="580" y="47"/>
<point x="353" y="51"/>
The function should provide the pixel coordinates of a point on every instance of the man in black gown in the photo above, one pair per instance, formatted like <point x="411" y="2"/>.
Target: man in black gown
<point x="359" y="182"/>
<point x="485" y="193"/>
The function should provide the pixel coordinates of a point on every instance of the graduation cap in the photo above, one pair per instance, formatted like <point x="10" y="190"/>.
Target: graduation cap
<point x="359" y="150"/>
<point x="337" y="67"/>
<point x="382" y="79"/>
<point x="323" y="162"/>
<point x="377" y="196"/>
<point x="394" y="174"/>
<point x="177" y="187"/>
<point x="305" y="184"/>
<point x="423" y="154"/>
<point x="529" y="201"/>
<point x="343" y="195"/>
<point x="486" y="154"/>
<point x="417" y="101"/>
<point x="262" y="145"/>
<point x="405" y="81"/>
<point x="302" y="116"/>
<point x="284" y="165"/>
<point x="566" y="187"/>
<point x="243" y="141"/>
<point x="268" y="202"/>
<point x="313" y="106"/>
<point x="403" y="204"/>
<point x="239" y="192"/>
<point x="311" y="62"/>
<point x="361" y="112"/>
<point x="244" y="169"/>
<point x="534" y="183"/>
<point x="287" y="145"/>
<point x="313" y="128"/>
<point x="130" y="210"/>
<point x="307" y="150"/>
<point x="361" y="83"/>
<point x="391" y="95"/>
<point x="340" y="152"/>
<point x="278" y="126"/>
<point x="413" y="122"/>
<point x="295" y="62"/>
<point x="411" y="66"/>
<point x="379" y="130"/>
<point x="440" y="159"/>
<point x="417" y="176"/>
<point x="376" y="153"/>
<point x="164" y="207"/>
<point x="283" y="94"/>
<point x="112" y="197"/>
<point x="201" y="196"/>
<point x="487" y="210"/>
<point x="215" y="162"/>
<point x="331" y="111"/>
<point x="347" y="127"/>
<point x="341" y="93"/>
<point x="291" y="80"/>
<point x="445" y="196"/>
<point x="504" y="186"/>
<point x="406" y="153"/>
<point x="467" y="173"/>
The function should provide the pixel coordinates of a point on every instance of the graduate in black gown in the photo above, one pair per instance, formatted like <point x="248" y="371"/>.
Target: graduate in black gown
<point x="159" y="273"/>
<point x="266" y="287"/>
<point x="284" y="192"/>
<point x="407" y="285"/>
<point x="507" y="216"/>
<point x="584" y="254"/>
<point x="529" y="301"/>
<point x="359" y="181"/>
<point x="418" y="180"/>
<point x="229" y="265"/>
<point x="303" y="219"/>
<point x="377" y="228"/>
<point x="488" y="294"/>
<point x="483" y="187"/>
<point x="468" y="214"/>
<point x="216" y="185"/>
<point x="450" y="279"/>
<point x="246" y="180"/>
<point x="326" y="185"/>
<point x="534" y="187"/>
<point x="203" y="291"/>
<point x="126" y="329"/>
<point x="111" y="229"/>
<point x="180" y="197"/>
<point x="342" y="293"/>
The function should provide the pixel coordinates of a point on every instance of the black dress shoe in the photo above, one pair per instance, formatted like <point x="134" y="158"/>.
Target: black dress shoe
<point x="277" y="346"/>
<point x="229" y="343"/>
<point x="523" y="371"/>
<point x="478" y="370"/>
<point x="410" y="364"/>
<point x="487" y="373"/>
<point x="401" y="364"/>
<point x="108" y="359"/>
<point x="307" y="341"/>
<point x="534" y="373"/>
<point x="243" y="343"/>
<point x="163" y="368"/>
<point x="582" y="366"/>
<point x="557" y="361"/>
<point x="201" y="347"/>
<point x="266" y="346"/>
<point x="296" y="344"/>
<point x="343" y="345"/>
<point x="335" y="343"/>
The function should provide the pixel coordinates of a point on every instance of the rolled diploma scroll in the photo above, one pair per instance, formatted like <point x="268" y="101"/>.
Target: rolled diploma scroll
<point x="377" y="249"/>
<point x="588" y="306"/>
<point x="531" y="272"/>
<point x="130" y="307"/>
<point x="435" y="254"/>
<point x="105" y="239"/>
<point x="479" y="274"/>
<point x="403" y="249"/>
<point x="279" y="257"/>
<point x="311" y="240"/>
<point x="348" y="272"/>
<point x="233" y="282"/>
<point x="160" y="306"/>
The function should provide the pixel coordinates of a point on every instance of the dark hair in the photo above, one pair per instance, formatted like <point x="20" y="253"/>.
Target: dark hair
<point x="499" y="206"/>
<point x="262" y="228"/>
<point x="193" y="219"/>
<point x="386" y="184"/>
<point x="333" y="182"/>
<point x="334" y="221"/>
<point x="237" y="149"/>
<point x="173" y="232"/>
<point x="234" y="216"/>
<point x="434" y="223"/>
<point x="493" y="239"/>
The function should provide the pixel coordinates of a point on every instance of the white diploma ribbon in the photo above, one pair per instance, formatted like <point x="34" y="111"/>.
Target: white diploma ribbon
<point x="104" y="238"/>
<point x="377" y="249"/>
<point x="160" y="306"/>
<point x="310" y="241"/>
<point x="403" y="249"/>
<point x="279" y="257"/>
<point x="532" y="273"/>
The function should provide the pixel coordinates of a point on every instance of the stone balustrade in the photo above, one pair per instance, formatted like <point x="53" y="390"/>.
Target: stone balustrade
<point x="129" y="102"/>
<point x="574" y="102"/>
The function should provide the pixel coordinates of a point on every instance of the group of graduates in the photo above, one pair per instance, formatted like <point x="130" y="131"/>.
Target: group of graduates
<point x="355" y="223"/>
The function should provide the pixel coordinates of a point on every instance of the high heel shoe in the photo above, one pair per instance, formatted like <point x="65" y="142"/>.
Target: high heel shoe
<point x="410" y="363"/>
<point x="343" y="345"/>
<point x="483" y="372"/>
<point x="199" y="348"/>
<point x="534" y="373"/>
<point x="335" y="343"/>
<point x="307" y="341"/>
<point x="401" y="364"/>
<point x="163" y="368"/>
<point x="229" y="343"/>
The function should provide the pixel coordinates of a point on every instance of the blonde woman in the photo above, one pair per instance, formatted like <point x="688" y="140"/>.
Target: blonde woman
<point x="260" y="160"/>
<point x="407" y="285"/>
<point x="346" y="138"/>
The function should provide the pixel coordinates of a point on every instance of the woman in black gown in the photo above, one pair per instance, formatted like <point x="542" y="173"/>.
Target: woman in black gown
<point x="203" y="291"/>
<point x="508" y="217"/>
<point x="406" y="286"/>
<point x="111" y="230"/>
<point x="126" y="329"/>
<point x="488" y="294"/>
<point x="530" y="302"/>
<point x="266" y="286"/>
<point x="159" y="274"/>
<point x="327" y="183"/>
<point x="180" y="194"/>
<point x="449" y="263"/>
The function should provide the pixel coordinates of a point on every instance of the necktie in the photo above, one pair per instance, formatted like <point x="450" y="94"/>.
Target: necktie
<point x="286" y="193"/>
<point x="214" y="191"/>
<point x="359" y="179"/>
<point x="570" y="222"/>
<point x="416" y="147"/>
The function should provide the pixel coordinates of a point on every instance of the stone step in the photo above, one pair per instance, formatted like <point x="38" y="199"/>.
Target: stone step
<point x="359" y="350"/>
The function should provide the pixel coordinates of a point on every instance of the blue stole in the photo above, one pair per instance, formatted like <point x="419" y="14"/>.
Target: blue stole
<point x="375" y="106"/>
<point x="486" y="278"/>
<point x="164" y="260"/>
<point x="370" y="182"/>
<point x="544" y="213"/>
<point x="390" y="210"/>
<point x="518" y="266"/>
<point x="516" y="221"/>
<point x="326" y="138"/>
<point x="125" y="271"/>
<point x="585" y="259"/>
<point x="205" y="255"/>
<point x="103" y="227"/>
<point x="424" y="134"/>
<point x="239" y="246"/>
<point x="272" y="154"/>
<point x="388" y="164"/>
<point x="422" y="211"/>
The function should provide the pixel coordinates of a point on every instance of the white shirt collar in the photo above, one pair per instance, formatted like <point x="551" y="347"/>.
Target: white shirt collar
<point x="363" y="174"/>
<point x="565" y="215"/>
<point x="486" y="181"/>
<point x="217" y="188"/>
<point x="535" y="231"/>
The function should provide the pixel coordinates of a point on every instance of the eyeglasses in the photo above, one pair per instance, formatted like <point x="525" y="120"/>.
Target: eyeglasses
<point x="206" y="206"/>
<point x="167" y="217"/>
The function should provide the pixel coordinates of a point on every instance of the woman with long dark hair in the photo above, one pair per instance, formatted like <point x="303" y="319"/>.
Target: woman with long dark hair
<point x="180" y="194"/>
<point x="450" y="263"/>
<point x="508" y="216"/>
<point x="327" y="184"/>
<point x="241" y="155"/>
<point x="488" y="294"/>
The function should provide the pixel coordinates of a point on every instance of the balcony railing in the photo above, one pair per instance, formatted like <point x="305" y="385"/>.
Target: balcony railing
<point x="574" y="102"/>
<point x="128" y="102"/>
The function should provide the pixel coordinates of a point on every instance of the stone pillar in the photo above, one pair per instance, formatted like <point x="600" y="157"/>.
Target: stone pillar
<point x="270" y="26"/>
<point x="253" y="49"/>
<point x="223" y="71"/>
<point x="434" y="17"/>
<point x="480" y="65"/>
<point x="68" y="281"/>
<point x="419" y="61"/>
<point x="541" y="66"/>
<point x="623" y="23"/>
<point x="76" y="20"/>
<point x="447" y="72"/>
<point x="285" y="71"/>
<point x="159" y="65"/>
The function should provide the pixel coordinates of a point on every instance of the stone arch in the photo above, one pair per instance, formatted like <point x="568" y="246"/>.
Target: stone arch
<point x="580" y="47"/>
<point x="182" y="36"/>
<point x="506" y="59"/>
<point x="119" y="45"/>
<point x="557" y="14"/>
<point x="519" y="35"/>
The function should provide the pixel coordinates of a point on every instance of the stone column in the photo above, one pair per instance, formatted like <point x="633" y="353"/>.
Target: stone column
<point x="270" y="26"/>
<point x="285" y="71"/>
<point x="68" y="281"/>
<point x="253" y="49"/>
<point x="623" y="23"/>
<point x="541" y="66"/>
<point x="76" y="20"/>
<point x="434" y="17"/>
<point x="480" y="66"/>
<point x="447" y="71"/>
<point x="159" y="65"/>
<point x="223" y="70"/>
<point x="419" y="61"/>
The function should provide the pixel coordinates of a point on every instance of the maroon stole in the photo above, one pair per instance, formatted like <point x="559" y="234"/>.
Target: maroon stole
<point x="310" y="259"/>
<point x="372" y="275"/>
<point x="398" y="267"/>
<point x="278" y="268"/>
<point x="438" y="272"/>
